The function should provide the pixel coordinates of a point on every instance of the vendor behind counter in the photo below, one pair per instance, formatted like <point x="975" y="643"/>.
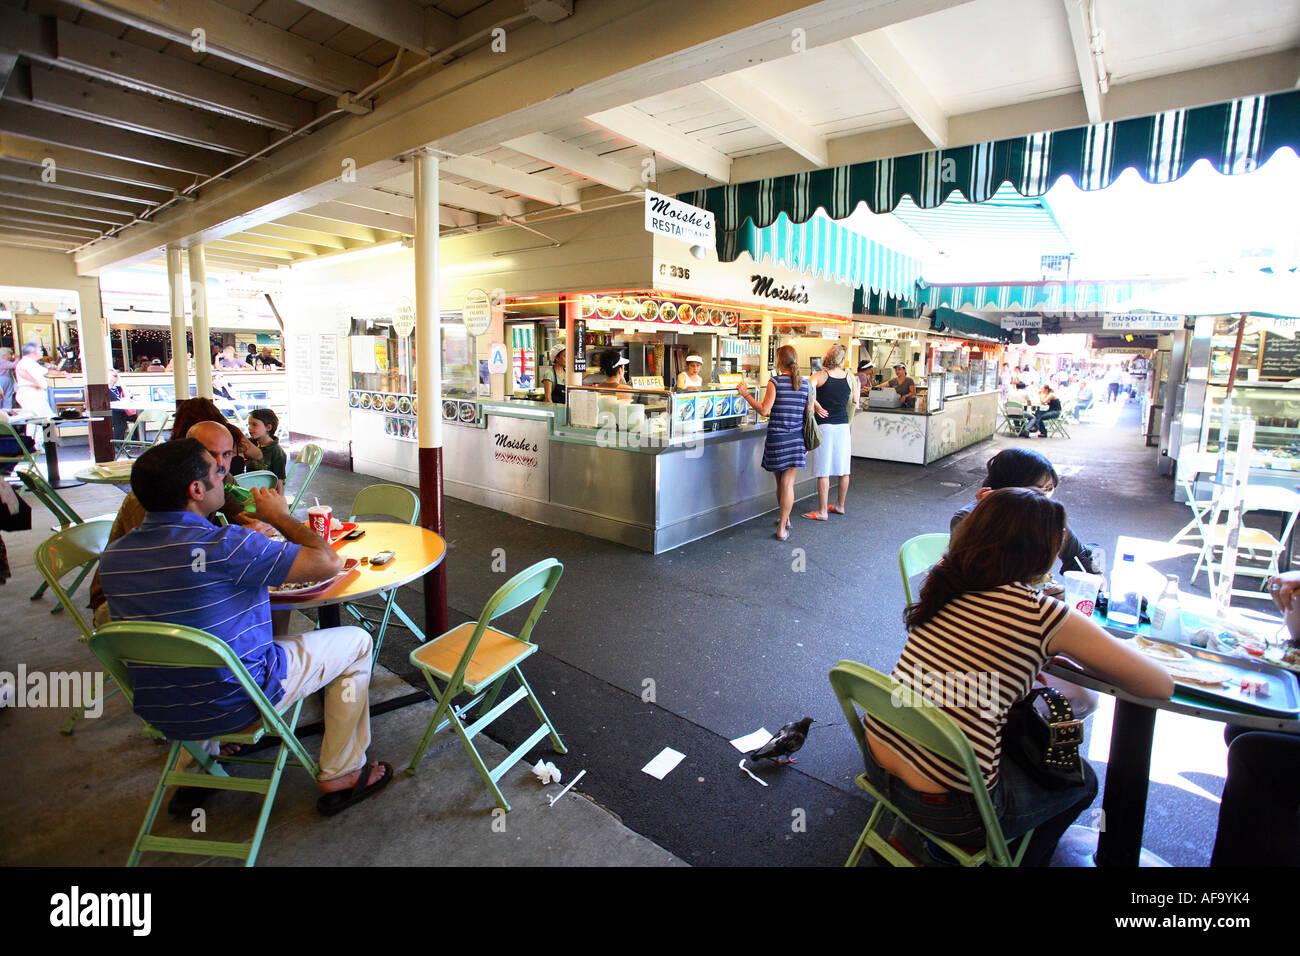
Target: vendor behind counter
<point x="904" y="386"/>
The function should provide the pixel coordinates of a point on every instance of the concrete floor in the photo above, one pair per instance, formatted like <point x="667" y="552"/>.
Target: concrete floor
<point x="736" y="631"/>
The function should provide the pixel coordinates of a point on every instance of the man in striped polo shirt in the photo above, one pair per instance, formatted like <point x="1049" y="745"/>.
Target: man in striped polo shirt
<point x="179" y="568"/>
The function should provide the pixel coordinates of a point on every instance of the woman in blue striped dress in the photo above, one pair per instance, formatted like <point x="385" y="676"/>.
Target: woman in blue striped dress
<point x="784" y="403"/>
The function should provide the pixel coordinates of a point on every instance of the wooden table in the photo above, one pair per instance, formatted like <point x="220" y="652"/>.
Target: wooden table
<point x="416" y="551"/>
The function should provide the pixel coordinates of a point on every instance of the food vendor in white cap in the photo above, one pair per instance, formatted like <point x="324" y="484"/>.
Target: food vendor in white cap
<point x="614" y="368"/>
<point x="904" y="386"/>
<point x="691" y="377"/>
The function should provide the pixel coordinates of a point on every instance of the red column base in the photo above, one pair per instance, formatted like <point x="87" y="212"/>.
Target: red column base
<point x="431" y="517"/>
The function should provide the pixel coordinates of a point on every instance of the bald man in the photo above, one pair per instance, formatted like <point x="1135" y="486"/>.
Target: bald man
<point x="215" y="437"/>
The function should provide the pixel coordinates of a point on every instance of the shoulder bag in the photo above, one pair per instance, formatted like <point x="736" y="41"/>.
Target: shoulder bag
<point x="1046" y="745"/>
<point x="812" y="433"/>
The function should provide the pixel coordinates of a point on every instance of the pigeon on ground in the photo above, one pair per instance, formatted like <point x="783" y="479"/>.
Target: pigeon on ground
<point x="787" y="741"/>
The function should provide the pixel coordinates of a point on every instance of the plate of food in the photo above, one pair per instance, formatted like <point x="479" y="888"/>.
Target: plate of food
<point x="1240" y="682"/>
<point x="404" y="405"/>
<point x="354" y="399"/>
<point x="365" y="400"/>
<point x="450" y="411"/>
<point x="630" y="309"/>
<point x="306" y="590"/>
<point x="587" y="306"/>
<point x="685" y="313"/>
<point x="685" y="410"/>
<point x="390" y="403"/>
<point x="607" y="307"/>
<point x="721" y="404"/>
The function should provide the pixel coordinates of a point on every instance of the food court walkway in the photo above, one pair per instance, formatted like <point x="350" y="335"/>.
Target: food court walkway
<point x="684" y="650"/>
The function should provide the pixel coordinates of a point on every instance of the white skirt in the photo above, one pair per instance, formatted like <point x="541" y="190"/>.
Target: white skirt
<point x="834" y="456"/>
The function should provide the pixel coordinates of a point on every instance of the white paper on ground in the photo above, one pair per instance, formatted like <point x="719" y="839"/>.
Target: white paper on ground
<point x="751" y="742"/>
<point x="663" y="763"/>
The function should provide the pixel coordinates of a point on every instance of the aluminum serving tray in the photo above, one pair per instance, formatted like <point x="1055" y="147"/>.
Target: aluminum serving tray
<point x="1284" y="690"/>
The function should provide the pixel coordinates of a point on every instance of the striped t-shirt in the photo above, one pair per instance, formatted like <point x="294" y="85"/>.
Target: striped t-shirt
<point x="181" y="569"/>
<point x="975" y="658"/>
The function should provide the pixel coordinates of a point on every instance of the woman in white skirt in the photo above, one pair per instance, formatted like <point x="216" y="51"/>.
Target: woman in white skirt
<point x="834" y="456"/>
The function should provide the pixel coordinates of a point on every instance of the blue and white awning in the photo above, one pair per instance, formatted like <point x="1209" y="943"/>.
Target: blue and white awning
<point x="822" y="247"/>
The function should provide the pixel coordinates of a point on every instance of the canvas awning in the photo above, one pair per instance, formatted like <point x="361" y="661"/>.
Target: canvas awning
<point x="822" y="247"/>
<point x="1235" y="137"/>
<point x="1076" y="296"/>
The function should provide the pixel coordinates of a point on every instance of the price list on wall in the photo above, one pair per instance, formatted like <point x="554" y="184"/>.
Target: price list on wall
<point x="327" y="367"/>
<point x="300" y="364"/>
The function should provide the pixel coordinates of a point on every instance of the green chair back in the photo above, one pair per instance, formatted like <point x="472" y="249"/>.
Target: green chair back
<point x="257" y="479"/>
<point x="24" y="456"/>
<point x="309" y="458"/>
<point x="907" y="713"/>
<point x="394" y="501"/>
<point x="154" y="644"/>
<point x="919" y="554"/>
<point x="63" y="513"/>
<point x="69" y="550"/>
<point x="135" y="439"/>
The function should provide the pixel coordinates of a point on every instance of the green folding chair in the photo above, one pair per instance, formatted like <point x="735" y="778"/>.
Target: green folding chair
<point x="136" y="441"/>
<point x="1015" y="419"/>
<point x="257" y="479"/>
<point x="925" y="725"/>
<point x="63" y="513"/>
<point x="401" y="504"/>
<point x="478" y="659"/>
<point x="24" y="455"/>
<point x="309" y="458"/>
<point x="152" y="644"/>
<point x="919" y="554"/>
<point x="1057" y="426"/>
<point x="77" y="548"/>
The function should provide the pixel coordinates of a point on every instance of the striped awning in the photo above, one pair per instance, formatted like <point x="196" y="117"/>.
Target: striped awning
<point x="822" y="247"/>
<point x="1077" y="296"/>
<point x="1235" y="137"/>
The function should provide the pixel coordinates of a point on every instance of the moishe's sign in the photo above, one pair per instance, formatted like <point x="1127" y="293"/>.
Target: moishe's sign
<point x="678" y="220"/>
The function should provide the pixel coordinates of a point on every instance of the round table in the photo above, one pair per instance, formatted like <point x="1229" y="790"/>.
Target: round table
<point x="94" y="478"/>
<point x="416" y="551"/>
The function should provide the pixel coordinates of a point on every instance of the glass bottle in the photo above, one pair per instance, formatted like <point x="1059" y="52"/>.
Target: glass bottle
<point x="1166" y="615"/>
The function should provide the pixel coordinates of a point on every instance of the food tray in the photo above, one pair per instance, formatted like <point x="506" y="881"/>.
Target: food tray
<point x="336" y="537"/>
<point x="1284" y="689"/>
<point x="350" y="568"/>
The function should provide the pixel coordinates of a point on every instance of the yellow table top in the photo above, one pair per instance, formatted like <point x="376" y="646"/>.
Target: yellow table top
<point x="416" y="551"/>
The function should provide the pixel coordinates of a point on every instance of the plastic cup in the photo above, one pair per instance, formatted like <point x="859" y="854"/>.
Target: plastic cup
<point x="1081" y="591"/>
<point x="319" y="516"/>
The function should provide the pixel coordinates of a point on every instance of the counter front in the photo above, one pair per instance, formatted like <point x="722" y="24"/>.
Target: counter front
<point x="919" y="438"/>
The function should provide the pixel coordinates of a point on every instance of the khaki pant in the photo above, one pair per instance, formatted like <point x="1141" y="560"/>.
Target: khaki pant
<point x="338" y="660"/>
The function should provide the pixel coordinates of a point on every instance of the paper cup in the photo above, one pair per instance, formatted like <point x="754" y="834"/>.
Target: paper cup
<point x="319" y="516"/>
<point x="1081" y="591"/>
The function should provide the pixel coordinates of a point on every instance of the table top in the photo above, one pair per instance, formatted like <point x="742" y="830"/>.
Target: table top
<point x="95" y="478"/>
<point x="416" y="551"/>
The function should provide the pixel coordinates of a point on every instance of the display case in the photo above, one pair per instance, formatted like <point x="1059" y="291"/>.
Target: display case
<point x="656" y="414"/>
<point x="1276" y="411"/>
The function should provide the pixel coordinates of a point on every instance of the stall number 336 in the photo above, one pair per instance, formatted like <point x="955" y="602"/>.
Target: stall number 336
<point x="675" y="272"/>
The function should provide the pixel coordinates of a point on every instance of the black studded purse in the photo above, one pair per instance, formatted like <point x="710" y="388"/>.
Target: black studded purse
<point x="1045" y="743"/>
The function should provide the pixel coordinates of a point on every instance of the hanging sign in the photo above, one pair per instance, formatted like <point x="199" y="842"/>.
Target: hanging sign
<point x="1022" y="321"/>
<point x="404" y="318"/>
<point x="498" y="362"/>
<point x="578" y="348"/>
<point x="477" y="312"/>
<point x="678" y="220"/>
<point x="1144" y="322"/>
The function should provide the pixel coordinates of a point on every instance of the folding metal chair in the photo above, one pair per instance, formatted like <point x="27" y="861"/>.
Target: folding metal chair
<point x="1192" y="464"/>
<point x="401" y="504"/>
<point x="257" y="479"/>
<point x="24" y="455"/>
<point x="310" y="458"/>
<point x="925" y="725"/>
<point x="135" y="441"/>
<point x="1015" y="418"/>
<point x="920" y="554"/>
<point x="1253" y="544"/>
<point x="152" y="644"/>
<point x="478" y="659"/>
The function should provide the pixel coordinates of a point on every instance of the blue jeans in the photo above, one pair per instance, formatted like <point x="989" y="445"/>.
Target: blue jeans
<point x="1020" y="802"/>
<point x="1036" y="424"/>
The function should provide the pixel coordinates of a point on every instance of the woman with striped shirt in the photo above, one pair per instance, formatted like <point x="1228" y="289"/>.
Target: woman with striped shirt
<point x="784" y="403"/>
<point x="979" y="629"/>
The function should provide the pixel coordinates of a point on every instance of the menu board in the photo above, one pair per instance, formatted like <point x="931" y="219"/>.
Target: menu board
<point x="1280" y="356"/>
<point x="299" y="362"/>
<point x="327" y="368"/>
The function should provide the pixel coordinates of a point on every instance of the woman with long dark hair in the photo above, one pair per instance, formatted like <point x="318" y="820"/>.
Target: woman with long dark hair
<point x="979" y="624"/>
<point x="784" y="403"/>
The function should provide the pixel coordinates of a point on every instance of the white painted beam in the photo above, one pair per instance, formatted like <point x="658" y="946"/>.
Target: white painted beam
<point x="580" y="162"/>
<point x="18" y="172"/>
<point x="315" y="237"/>
<point x="34" y="153"/>
<point x="1076" y="15"/>
<point x="372" y="218"/>
<point x="478" y="201"/>
<point x="456" y="218"/>
<point x="243" y="39"/>
<point x="769" y="116"/>
<point x="503" y="177"/>
<point x="631" y="123"/>
<point x="879" y="53"/>
<point x="332" y="225"/>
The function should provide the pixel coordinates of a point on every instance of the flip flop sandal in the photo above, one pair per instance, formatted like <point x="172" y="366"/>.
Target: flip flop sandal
<point x="835" y="511"/>
<point x="782" y="537"/>
<point x="338" y="801"/>
<point x="814" y="516"/>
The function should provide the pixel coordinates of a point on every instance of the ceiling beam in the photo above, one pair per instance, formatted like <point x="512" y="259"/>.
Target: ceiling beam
<point x="72" y="96"/>
<point x="35" y="218"/>
<point x="13" y="171"/>
<point x="768" y="115"/>
<point x="237" y="244"/>
<point x="456" y="218"/>
<point x="26" y="120"/>
<point x="639" y="127"/>
<point x="476" y="200"/>
<point x="503" y="177"/>
<point x="96" y="216"/>
<point x="1081" y="40"/>
<point x="275" y="242"/>
<point x="382" y="200"/>
<point x="334" y="226"/>
<point x="580" y="162"/>
<point x="32" y="242"/>
<point x="42" y="232"/>
<point x="397" y="21"/>
<point x="34" y="153"/>
<point x="372" y="218"/>
<point x="888" y="66"/>
<point x="241" y="39"/>
<point x="314" y="237"/>
<point x="44" y="192"/>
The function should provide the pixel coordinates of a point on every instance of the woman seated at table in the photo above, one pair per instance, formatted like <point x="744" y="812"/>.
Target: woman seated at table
<point x="1049" y="406"/>
<point x="977" y="616"/>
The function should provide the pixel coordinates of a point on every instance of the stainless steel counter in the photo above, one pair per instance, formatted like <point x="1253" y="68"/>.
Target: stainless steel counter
<point x="918" y="438"/>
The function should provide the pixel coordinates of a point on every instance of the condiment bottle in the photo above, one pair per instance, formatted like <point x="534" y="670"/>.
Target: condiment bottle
<point x="1166" y="614"/>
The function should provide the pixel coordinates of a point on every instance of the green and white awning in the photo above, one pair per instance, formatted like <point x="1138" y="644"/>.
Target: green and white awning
<point x="1078" y="296"/>
<point x="822" y="247"/>
<point x="1235" y="137"/>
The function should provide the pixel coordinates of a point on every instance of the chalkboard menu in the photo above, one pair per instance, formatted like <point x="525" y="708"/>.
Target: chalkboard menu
<point x="1280" y="357"/>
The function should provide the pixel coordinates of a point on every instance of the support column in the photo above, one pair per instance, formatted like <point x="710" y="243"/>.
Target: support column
<point x="199" y="309"/>
<point x="569" y="313"/>
<point x="765" y="349"/>
<point x="176" y="297"/>
<point x="428" y="379"/>
<point x="92" y="333"/>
